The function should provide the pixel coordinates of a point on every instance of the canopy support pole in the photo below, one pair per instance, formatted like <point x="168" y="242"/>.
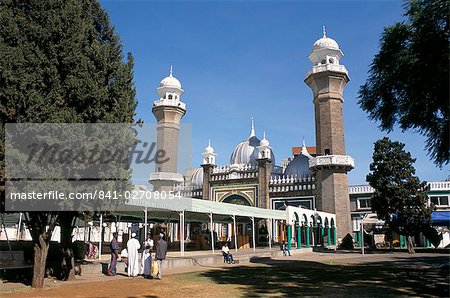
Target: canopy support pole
<point x="182" y="233"/>
<point x="84" y="234"/>
<point x="18" y="228"/>
<point x="253" y="233"/>
<point x="145" y="223"/>
<point x="101" y="234"/>
<point x="234" y="232"/>
<point x="212" y="232"/>
<point x="269" y="230"/>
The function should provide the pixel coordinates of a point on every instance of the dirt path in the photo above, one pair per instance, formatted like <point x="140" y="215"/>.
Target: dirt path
<point x="315" y="274"/>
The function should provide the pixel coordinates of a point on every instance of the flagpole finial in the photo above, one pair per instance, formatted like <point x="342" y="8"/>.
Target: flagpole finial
<point x="324" y="31"/>
<point x="171" y="70"/>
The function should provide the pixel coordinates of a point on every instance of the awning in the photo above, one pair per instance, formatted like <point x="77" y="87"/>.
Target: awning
<point x="195" y="210"/>
<point x="440" y="218"/>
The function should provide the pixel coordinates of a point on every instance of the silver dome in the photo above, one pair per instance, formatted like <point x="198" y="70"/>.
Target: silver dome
<point x="246" y="152"/>
<point x="299" y="167"/>
<point x="197" y="178"/>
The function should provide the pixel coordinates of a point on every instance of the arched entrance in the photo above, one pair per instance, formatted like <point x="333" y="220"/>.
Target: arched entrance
<point x="237" y="200"/>
<point x="243" y="228"/>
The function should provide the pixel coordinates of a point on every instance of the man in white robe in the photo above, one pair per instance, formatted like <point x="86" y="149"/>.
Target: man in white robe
<point x="133" y="256"/>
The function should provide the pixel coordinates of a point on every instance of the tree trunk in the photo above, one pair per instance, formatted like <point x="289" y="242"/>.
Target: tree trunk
<point x="411" y="250"/>
<point x="67" y="255"/>
<point x="40" y="259"/>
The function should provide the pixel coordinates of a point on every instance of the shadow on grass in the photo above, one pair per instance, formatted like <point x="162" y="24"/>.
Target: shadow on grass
<point x="403" y="276"/>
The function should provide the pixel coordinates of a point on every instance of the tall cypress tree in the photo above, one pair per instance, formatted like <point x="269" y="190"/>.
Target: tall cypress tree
<point x="62" y="62"/>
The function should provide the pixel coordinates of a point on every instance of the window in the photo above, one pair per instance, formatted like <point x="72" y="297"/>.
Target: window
<point x="327" y="151"/>
<point x="364" y="203"/>
<point x="439" y="200"/>
<point x="170" y="96"/>
<point x="331" y="60"/>
<point x="323" y="62"/>
<point x="356" y="223"/>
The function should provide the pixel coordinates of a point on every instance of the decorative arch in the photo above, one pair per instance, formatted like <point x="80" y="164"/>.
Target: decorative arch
<point x="305" y="219"/>
<point x="319" y="220"/>
<point x="297" y="217"/>
<point x="237" y="199"/>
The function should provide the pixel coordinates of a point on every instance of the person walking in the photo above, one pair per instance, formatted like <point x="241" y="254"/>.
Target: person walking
<point x="161" y="251"/>
<point x="114" y="246"/>
<point x="133" y="246"/>
<point x="147" y="262"/>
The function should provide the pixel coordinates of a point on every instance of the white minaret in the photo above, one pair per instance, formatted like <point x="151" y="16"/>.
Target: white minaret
<point x="264" y="148"/>
<point x="209" y="157"/>
<point x="168" y="111"/>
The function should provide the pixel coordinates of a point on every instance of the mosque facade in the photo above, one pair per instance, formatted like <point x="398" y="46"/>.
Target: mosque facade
<point x="314" y="180"/>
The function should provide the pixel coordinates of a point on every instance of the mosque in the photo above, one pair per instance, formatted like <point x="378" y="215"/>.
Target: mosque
<point x="314" y="178"/>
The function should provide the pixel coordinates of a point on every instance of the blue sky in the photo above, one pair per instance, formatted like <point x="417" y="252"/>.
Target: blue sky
<point x="238" y="58"/>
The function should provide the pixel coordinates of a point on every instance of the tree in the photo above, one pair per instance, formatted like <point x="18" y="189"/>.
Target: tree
<point x="399" y="198"/>
<point x="408" y="81"/>
<point x="62" y="62"/>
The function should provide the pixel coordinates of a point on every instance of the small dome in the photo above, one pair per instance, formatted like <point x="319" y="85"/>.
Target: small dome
<point x="209" y="149"/>
<point x="325" y="43"/>
<point x="197" y="178"/>
<point x="299" y="166"/>
<point x="170" y="81"/>
<point x="264" y="141"/>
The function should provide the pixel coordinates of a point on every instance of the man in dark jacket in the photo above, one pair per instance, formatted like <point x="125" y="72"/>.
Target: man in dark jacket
<point x="161" y="251"/>
<point x="114" y="246"/>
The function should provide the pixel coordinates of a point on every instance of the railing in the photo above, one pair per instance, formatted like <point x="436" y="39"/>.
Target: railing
<point x="192" y="193"/>
<point x="235" y="167"/>
<point x="291" y="183"/>
<point x="433" y="186"/>
<point x="166" y="176"/>
<point x="327" y="67"/>
<point x="170" y="102"/>
<point x="332" y="161"/>
<point x="439" y="185"/>
<point x="360" y="189"/>
<point x="234" y="175"/>
<point x="235" y="171"/>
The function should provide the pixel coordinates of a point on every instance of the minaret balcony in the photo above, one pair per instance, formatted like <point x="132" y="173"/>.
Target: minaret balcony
<point x="343" y="162"/>
<point x="327" y="67"/>
<point x="165" y="176"/>
<point x="170" y="103"/>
